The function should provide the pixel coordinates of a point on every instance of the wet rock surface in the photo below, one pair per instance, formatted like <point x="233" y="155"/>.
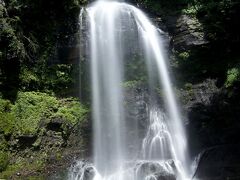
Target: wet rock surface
<point x="213" y="127"/>
<point x="188" y="33"/>
<point x="156" y="170"/>
<point x="212" y="116"/>
<point x="220" y="162"/>
<point x="136" y="104"/>
<point x="141" y="170"/>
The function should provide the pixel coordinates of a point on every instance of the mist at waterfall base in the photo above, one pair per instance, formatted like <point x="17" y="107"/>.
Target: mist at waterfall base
<point x="117" y="32"/>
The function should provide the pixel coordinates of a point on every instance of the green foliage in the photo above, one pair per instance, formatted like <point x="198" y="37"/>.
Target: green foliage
<point x="72" y="111"/>
<point x="5" y="105"/>
<point x="188" y="86"/>
<point x="22" y="164"/>
<point x="58" y="78"/>
<point x="3" y="143"/>
<point x="3" y="160"/>
<point x="11" y="45"/>
<point x="30" y="108"/>
<point x="183" y="55"/>
<point x="15" y="44"/>
<point x="6" y="118"/>
<point x="219" y="18"/>
<point x="233" y="75"/>
<point x="7" y="123"/>
<point x="191" y="10"/>
<point x="131" y="84"/>
<point x="29" y="79"/>
<point x="29" y="33"/>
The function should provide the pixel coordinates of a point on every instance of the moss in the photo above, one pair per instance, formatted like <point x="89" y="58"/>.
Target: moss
<point x="6" y="118"/>
<point x="233" y="75"/>
<point x="30" y="108"/>
<point x="37" y="143"/>
<point x="59" y="156"/>
<point x="23" y="165"/>
<point x="5" y="105"/>
<point x="72" y="111"/>
<point x="3" y="160"/>
<point x="188" y="86"/>
<point x="183" y="55"/>
<point x="3" y="143"/>
<point x="191" y="10"/>
<point x="6" y="123"/>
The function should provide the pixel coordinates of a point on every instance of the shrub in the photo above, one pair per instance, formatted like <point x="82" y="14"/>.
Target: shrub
<point x="184" y="55"/>
<point x="72" y="111"/>
<point x="131" y="84"/>
<point x="233" y="75"/>
<point x="3" y="160"/>
<point x="32" y="108"/>
<point x="6" y="118"/>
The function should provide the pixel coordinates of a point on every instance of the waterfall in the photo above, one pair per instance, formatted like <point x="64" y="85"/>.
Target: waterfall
<point x="116" y="31"/>
<point x="106" y="71"/>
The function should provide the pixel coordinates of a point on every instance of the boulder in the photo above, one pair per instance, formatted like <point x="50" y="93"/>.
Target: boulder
<point x="153" y="170"/>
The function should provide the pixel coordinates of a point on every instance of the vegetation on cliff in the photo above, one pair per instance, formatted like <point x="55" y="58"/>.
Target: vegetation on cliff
<point x="29" y="35"/>
<point x="205" y="37"/>
<point x="27" y="123"/>
<point x="38" y="111"/>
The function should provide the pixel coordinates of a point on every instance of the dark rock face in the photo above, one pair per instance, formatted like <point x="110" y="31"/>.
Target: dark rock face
<point x="213" y="124"/>
<point x="211" y="109"/>
<point x="213" y="115"/>
<point x="201" y="93"/>
<point x="55" y="124"/>
<point x="186" y="32"/>
<point x="221" y="162"/>
<point x="136" y="102"/>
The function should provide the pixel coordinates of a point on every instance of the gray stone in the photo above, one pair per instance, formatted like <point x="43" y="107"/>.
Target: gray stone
<point x="186" y="32"/>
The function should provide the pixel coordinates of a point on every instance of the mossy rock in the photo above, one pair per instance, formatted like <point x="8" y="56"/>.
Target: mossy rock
<point x="233" y="76"/>
<point x="24" y="168"/>
<point x="3" y="143"/>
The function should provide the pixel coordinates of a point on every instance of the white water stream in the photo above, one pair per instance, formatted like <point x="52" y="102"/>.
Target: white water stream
<point x="164" y="148"/>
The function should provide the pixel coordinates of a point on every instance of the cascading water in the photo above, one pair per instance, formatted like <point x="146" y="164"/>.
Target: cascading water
<point x="164" y="148"/>
<point x="106" y="79"/>
<point x="157" y="144"/>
